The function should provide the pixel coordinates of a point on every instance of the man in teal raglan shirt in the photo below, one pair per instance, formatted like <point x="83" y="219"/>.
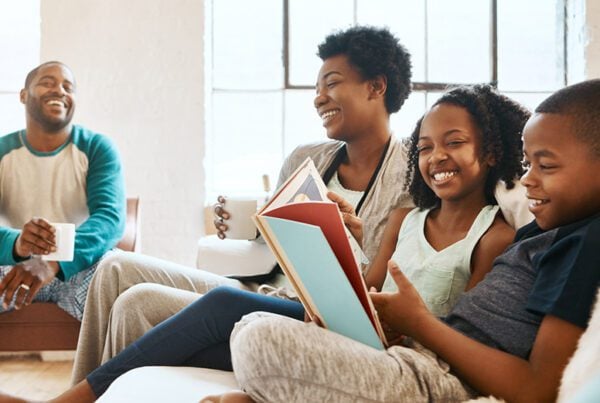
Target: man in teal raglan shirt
<point x="54" y="171"/>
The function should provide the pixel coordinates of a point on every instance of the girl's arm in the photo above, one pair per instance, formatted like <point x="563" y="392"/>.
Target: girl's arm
<point x="378" y="268"/>
<point x="491" y="245"/>
<point x="488" y="370"/>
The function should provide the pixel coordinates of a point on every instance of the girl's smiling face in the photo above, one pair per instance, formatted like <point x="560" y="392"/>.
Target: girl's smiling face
<point x="450" y="153"/>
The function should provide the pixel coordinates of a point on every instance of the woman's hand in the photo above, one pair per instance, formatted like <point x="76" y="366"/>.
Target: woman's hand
<point x="220" y="216"/>
<point x="351" y="220"/>
<point x="404" y="310"/>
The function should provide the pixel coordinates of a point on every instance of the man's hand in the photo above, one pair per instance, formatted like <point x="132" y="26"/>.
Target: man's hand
<point x="25" y="280"/>
<point x="404" y="310"/>
<point x="351" y="220"/>
<point x="37" y="238"/>
<point x="220" y="216"/>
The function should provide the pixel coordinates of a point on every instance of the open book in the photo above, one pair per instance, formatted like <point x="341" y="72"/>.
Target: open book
<point x="307" y="235"/>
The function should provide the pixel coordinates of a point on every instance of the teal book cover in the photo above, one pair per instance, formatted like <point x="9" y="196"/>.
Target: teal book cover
<point x="323" y="283"/>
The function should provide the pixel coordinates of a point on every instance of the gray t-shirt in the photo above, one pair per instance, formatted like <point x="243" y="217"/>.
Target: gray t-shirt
<point x="542" y="273"/>
<point x="494" y="312"/>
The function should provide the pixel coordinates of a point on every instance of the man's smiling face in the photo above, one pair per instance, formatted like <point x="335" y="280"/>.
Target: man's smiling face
<point x="50" y="97"/>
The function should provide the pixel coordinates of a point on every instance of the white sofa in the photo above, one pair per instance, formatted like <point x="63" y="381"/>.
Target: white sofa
<point x="179" y="384"/>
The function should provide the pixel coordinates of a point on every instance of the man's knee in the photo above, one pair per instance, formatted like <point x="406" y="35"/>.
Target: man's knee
<point x="111" y="265"/>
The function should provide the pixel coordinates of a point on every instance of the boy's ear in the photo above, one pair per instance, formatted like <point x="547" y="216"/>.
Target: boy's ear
<point x="23" y="96"/>
<point x="377" y="87"/>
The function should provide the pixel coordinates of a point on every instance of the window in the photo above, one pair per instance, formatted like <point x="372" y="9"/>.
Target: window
<point x="262" y="66"/>
<point x="20" y="46"/>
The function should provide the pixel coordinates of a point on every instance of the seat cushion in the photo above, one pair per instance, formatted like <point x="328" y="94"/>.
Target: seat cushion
<point x="169" y="384"/>
<point x="229" y="257"/>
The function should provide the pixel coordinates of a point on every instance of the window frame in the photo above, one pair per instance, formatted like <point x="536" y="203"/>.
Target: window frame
<point x="427" y="86"/>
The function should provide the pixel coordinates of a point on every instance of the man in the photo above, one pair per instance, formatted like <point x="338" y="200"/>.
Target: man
<point x="54" y="171"/>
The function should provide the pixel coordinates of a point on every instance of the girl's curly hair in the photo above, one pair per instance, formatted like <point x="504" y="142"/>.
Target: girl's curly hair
<point x="500" y="121"/>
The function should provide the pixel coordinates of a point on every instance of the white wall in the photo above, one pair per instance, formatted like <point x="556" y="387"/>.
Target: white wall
<point x="139" y="70"/>
<point x="592" y="41"/>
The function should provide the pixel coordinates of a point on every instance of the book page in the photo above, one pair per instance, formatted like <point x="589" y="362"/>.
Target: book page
<point x="305" y="184"/>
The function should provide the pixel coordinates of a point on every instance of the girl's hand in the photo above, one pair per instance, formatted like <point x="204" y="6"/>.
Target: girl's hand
<point x="351" y="220"/>
<point x="404" y="310"/>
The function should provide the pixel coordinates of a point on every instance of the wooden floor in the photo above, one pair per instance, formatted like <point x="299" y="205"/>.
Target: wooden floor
<point x="32" y="378"/>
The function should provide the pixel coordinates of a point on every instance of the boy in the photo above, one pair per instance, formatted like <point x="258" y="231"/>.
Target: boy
<point x="511" y="336"/>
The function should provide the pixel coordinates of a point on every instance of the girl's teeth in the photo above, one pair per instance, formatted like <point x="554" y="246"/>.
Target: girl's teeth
<point x="443" y="175"/>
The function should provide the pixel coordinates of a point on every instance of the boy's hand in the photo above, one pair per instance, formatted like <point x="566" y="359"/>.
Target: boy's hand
<point x="404" y="310"/>
<point x="351" y="220"/>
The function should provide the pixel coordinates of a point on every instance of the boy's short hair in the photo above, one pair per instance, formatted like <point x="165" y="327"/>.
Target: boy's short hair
<point x="582" y="102"/>
<point x="374" y="52"/>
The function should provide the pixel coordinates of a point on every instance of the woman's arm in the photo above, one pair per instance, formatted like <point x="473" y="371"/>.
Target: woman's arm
<point x="378" y="268"/>
<point x="488" y="370"/>
<point x="491" y="245"/>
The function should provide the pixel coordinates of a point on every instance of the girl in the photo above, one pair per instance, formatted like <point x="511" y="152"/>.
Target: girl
<point x="468" y="141"/>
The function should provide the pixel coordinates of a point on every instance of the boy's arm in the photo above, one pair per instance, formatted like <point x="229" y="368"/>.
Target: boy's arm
<point x="378" y="268"/>
<point x="488" y="370"/>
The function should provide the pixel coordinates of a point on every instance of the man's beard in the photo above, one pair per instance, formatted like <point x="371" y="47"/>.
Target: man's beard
<point x="34" y="108"/>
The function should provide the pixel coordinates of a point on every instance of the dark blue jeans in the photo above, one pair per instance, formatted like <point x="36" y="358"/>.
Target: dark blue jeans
<point x="197" y="336"/>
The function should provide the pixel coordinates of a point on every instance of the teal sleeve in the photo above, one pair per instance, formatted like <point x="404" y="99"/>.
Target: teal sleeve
<point x="107" y="206"/>
<point x="8" y="237"/>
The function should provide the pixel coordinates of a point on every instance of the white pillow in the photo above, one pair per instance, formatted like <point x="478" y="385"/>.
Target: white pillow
<point x="513" y="203"/>
<point x="585" y="363"/>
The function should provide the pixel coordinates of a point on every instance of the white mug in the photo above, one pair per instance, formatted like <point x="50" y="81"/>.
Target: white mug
<point x="65" y="243"/>
<point x="239" y="223"/>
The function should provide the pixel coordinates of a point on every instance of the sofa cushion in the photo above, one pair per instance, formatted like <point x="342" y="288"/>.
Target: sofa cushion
<point x="232" y="257"/>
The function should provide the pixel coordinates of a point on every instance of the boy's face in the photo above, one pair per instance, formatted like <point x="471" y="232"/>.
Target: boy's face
<point x="562" y="181"/>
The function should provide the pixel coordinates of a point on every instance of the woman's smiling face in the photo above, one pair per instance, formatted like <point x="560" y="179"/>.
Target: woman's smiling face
<point x="342" y="99"/>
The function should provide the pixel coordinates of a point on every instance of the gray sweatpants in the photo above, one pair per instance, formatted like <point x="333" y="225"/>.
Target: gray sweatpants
<point x="277" y="359"/>
<point x="129" y="294"/>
